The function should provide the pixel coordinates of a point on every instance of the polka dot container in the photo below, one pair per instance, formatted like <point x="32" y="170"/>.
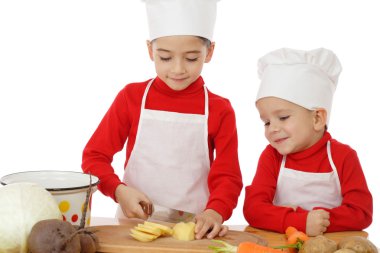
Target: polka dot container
<point x="67" y="187"/>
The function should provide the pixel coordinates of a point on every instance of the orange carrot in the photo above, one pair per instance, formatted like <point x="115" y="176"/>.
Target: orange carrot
<point x="244" y="247"/>
<point x="290" y="230"/>
<point x="295" y="239"/>
<point x="250" y="247"/>
<point x="293" y="235"/>
<point x="297" y="236"/>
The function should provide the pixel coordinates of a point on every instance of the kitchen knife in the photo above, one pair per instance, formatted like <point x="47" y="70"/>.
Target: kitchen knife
<point x="160" y="213"/>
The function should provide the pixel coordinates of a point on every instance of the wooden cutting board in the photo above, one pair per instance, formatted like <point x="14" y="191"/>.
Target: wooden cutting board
<point x="116" y="238"/>
<point x="276" y="239"/>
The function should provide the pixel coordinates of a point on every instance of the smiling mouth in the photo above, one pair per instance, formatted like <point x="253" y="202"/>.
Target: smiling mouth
<point x="178" y="79"/>
<point x="279" y="141"/>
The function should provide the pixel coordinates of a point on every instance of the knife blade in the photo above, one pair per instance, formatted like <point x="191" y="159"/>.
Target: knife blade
<point x="161" y="213"/>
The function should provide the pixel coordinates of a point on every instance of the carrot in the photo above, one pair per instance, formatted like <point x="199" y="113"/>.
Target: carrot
<point x="293" y="235"/>
<point x="290" y="230"/>
<point x="250" y="247"/>
<point x="295" y="240"/>
<point x="297" y="236"/>
<point x="244" y="247"/>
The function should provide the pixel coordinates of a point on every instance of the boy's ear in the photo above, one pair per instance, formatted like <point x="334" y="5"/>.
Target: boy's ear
<point x="320" y="119"/>
<point x="210" y="51"/>
<point x="150" y="49"/>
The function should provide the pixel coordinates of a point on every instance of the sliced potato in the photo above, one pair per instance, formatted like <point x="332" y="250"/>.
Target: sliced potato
<point x="165" y="230"/>
<point x="184" y="231"/>
<point x="148" y="229"/>
<point x="141" y="239"/>
<point x="141" y="236"/>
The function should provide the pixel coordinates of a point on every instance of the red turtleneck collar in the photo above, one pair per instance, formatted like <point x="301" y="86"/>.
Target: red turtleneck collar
<point x="195" y="87"/>
<point x="313" y="149"/>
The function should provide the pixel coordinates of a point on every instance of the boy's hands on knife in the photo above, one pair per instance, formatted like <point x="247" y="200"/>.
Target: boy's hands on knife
<point x="134" y="203"/>
<point x="209" y="222"/>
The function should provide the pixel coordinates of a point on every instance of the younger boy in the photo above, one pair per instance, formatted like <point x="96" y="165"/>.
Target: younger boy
<point x="304" y="178"/>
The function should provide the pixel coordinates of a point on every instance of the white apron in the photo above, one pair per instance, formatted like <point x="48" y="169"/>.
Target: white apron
<point x="306" y="189"/>
<point x="170" y="162"/>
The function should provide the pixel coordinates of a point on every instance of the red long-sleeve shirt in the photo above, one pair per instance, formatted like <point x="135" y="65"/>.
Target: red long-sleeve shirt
<point x="355" y="212"/>
<point x="121" y="121"/>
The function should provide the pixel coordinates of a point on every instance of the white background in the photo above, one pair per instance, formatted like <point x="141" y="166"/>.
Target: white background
<point x="63" y="62"/>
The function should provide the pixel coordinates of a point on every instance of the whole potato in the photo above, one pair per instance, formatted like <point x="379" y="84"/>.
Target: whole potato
<point x="359" y="244"/>
<point x="344" y="251"/>
<point x="319" y="244"/>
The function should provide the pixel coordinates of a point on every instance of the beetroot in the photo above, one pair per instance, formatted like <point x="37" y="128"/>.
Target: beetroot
<point x="57" y="236"/>
<point x="54" y="236"/>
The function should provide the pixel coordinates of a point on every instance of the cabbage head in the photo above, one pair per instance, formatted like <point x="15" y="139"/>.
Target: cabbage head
<point x="21" y="206"/>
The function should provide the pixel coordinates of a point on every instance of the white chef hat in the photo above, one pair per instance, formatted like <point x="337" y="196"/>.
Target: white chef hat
<point x="306" y="78"/>
<point x="181" y="17"/>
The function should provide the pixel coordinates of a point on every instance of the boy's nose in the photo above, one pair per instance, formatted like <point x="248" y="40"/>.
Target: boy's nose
<point x="273" y="127"/>
<point x="178" y="67"/>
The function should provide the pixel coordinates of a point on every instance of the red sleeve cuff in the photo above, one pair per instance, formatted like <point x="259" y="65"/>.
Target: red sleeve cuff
<point x="221" y="208"/>
<point x="296" y="219"/>
<point x="108" y="186"/>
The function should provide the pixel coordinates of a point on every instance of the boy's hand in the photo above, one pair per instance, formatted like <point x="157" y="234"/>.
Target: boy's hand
<point x="130" y="201"/>
<point x="209" y="222"/>
<point x="317" y="222"/>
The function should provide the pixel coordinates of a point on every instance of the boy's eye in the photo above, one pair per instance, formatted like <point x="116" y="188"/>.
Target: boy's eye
<point x="192" y="59"/>
<point x="284" y="118"/>
<point x="165" y="58"/>
<point x="266" y="123"/>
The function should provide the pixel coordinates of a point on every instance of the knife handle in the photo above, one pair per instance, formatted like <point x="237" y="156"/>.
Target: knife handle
<point x="146" y="207"/>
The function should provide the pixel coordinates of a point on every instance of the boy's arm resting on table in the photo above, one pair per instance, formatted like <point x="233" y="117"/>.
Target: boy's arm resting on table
<point x="355" y="212"/>
<point x="225" y="180"/>
<point x="108" y="139"/>
<point x="259" y="210"/>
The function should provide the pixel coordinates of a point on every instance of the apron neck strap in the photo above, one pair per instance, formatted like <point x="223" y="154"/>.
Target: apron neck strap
<point x="150" y="84"/>
<point x="328" y="147"/>
<point x="330" y="157"/>
<point x="206" y="101"/>
<point x="145" y="95"/>
<point x="283" y="161"/>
